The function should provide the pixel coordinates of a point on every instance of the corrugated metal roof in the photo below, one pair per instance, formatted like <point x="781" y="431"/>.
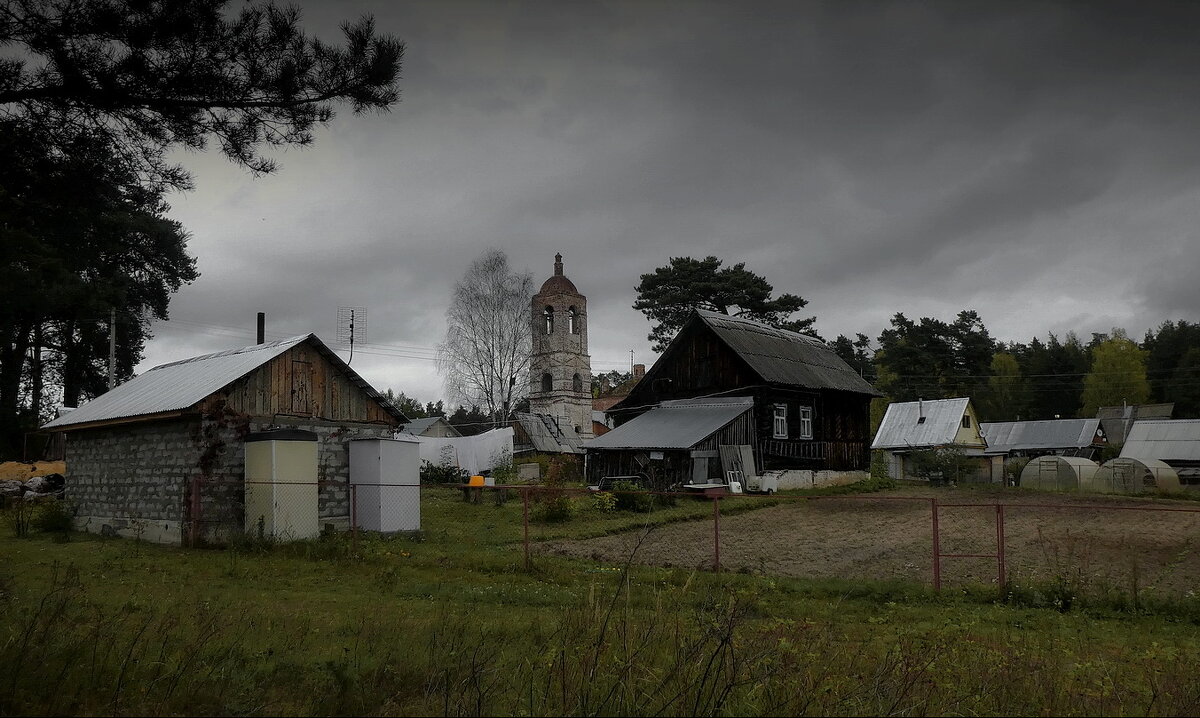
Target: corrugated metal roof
<point x="1163" y="439"/>
<point x="1004" y="436"/>
<point x="901" y="427"/>
<point x="181" y="385"/>
<point x="674" y="424"/>
<point x="784" y="357"/>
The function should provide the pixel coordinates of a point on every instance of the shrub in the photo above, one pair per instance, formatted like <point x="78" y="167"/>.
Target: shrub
<point x="1013" y="469"/>
<point x="604" y="502"/>
<point x="555" y="508"/>
<point x="441" y="474"/>
<point x="54" y="517"/>
<point x="879" y="465"/>
<point x="638" y="501"/>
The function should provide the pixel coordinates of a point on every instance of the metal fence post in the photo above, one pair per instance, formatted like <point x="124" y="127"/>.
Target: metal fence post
<point x="525" y="519"/>
<point x="354" y="517"/>
<point x="717" y="533"/>
<point x="1000" y="545"/>
<point x="937" y="553"/>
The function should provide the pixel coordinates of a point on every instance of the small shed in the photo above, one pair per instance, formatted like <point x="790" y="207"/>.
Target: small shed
<point x="163" y="457"/>
<point x="1134" y="476"/>
<point x="674" y="443"/>
<point x="1058" y="473"/>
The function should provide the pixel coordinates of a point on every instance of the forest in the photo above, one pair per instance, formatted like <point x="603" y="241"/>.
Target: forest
<point x="1045" y="378"/>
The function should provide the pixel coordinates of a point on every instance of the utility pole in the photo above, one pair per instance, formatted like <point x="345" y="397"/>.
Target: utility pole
<point x="112" y="348"/>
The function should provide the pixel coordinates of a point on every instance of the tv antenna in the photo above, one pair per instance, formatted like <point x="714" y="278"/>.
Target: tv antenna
<point x="351" y="328"/>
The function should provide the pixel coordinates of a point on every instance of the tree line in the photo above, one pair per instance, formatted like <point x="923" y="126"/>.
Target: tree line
<point x="1044" y="378"/>
<point x="94" y="96"/>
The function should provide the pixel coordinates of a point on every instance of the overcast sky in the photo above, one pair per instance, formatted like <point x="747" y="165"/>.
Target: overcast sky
<point x="1036" y="162"/>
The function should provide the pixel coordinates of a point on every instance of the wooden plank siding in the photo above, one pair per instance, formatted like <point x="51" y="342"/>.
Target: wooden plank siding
<point x="699" y="364"/>
<point x="271" y="390"/>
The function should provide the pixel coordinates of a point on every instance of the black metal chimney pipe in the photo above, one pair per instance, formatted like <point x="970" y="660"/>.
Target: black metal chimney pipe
<point x="262" y="328"/>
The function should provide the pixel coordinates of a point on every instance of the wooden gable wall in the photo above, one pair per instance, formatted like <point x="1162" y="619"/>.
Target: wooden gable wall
<point x="696" y="364"/>
<point x="302" y="382"/>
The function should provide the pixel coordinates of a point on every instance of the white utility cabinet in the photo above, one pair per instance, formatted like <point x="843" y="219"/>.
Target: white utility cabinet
<point x="281" y="484"/>
<point x="386" y="475"/>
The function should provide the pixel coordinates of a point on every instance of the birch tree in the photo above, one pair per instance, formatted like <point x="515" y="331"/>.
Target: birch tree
<point x="485" y="355"/>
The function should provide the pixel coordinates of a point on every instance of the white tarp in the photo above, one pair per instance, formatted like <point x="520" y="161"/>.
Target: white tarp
<point x="475" y="454"/>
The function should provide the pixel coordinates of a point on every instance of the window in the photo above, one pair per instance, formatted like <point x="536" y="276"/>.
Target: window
<point x="806" y="427"/>
<point x="966" y="421"/>
<point x="547" y="382"/>
<point x="779" y="428"/>
<point x="572" y="321"/>
<point x="548" y="316"/>
<point x="577" y="384"/>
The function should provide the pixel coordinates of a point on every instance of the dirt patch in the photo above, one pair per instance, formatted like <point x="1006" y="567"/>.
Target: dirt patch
<point x="21" y="470"/>
<point x="1094" y="542"/>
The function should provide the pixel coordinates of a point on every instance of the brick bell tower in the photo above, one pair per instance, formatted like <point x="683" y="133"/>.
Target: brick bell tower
<point x="560" y="370"/>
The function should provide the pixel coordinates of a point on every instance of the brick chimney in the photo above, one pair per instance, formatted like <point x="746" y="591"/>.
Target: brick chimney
<point x="639" y="371"/>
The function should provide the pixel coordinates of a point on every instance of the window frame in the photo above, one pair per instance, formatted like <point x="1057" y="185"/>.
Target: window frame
<point x="779" y="421"/>
<point x="806" y="422"/>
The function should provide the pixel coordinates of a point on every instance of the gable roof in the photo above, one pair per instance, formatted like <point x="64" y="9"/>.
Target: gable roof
<point x="901" y="427"/>
<point x="782" y="357"/>
<point x="420" y="426"/>
<point x="183" y="384"/>
<point x="1163" y="439"/>
<point x="677" y="424"/>
<point x="1005" y="436"/>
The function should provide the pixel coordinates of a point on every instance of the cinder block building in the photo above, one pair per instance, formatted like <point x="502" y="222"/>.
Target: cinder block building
<point x="162" y="456"/>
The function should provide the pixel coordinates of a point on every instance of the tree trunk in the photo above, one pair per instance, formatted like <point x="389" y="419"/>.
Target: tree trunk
<point x="12" y="367"/>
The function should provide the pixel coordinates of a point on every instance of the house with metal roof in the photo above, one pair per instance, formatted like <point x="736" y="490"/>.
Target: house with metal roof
<point x="1059" y="437"/>
<point x="808" y="412"/>
<point x="435" y="426"/>
<point x="162" y="456"/>
<point x="916" y="426"/>
<point x="1176" y="442"/>
<point x="1117" y="420"/>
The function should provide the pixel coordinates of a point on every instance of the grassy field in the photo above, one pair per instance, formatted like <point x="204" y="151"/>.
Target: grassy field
<point x="449" y="622"/>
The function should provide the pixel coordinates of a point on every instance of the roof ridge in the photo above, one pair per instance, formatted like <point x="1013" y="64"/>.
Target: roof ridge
<point x="231" y="352"/>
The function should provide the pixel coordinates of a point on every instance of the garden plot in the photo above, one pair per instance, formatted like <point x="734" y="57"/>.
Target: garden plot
<point x="1097" y="543"/>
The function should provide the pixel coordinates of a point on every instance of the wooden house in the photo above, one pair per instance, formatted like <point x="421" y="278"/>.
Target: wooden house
<point x="916" y="426"/>
<point x="808" y="411"/>
<point x="163" y="455"/>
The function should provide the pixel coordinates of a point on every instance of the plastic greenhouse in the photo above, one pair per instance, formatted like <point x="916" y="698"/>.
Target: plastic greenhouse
<point x="1135" y="476"/>
<point x="1058" y="473"/>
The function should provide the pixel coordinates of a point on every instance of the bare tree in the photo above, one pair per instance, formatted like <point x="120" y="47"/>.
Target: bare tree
<point x="485" y="356"/>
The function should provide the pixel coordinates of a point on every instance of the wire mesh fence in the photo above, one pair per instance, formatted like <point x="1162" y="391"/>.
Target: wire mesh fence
<point x="942" y="538"/>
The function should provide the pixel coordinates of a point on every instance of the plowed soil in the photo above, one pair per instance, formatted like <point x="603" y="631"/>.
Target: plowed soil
<point x="1098" y="542"/>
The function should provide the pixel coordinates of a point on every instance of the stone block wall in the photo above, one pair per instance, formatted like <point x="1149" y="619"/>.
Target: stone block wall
<point x="135" y="479"/>
<point x="132" y="479"/>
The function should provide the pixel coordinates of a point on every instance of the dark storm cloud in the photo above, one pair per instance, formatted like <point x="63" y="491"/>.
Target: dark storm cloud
<point x="1034" y="161"/>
